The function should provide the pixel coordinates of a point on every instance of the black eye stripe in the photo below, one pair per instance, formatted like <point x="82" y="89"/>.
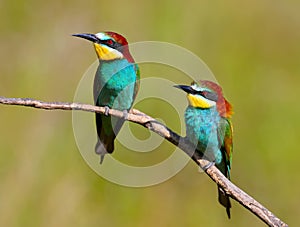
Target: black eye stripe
<point x="206" y="94"/>
<point x="111" y="43"/>
<point x="108" y="42"/>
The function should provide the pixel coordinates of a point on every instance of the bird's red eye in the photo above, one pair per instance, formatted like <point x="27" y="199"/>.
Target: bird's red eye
<point x="109" y="42"/>
<point x="204" y="93"/>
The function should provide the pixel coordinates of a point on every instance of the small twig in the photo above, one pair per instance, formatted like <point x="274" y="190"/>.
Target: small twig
<point x="139" y="117"/>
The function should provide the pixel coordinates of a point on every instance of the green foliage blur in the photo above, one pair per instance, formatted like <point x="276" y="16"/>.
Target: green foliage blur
<point x="251" y="46"/>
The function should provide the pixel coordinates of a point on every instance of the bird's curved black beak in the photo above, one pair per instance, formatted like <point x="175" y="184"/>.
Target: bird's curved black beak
<point x="90" y="37"/>
<point x="186" y="88"/>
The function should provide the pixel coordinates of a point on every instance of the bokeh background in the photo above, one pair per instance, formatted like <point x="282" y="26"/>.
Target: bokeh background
<point x="251" y="46"/>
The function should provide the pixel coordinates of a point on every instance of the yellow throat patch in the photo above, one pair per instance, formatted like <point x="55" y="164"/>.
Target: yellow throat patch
<point x="199" y="102"/>
<point x="106" y="53"/>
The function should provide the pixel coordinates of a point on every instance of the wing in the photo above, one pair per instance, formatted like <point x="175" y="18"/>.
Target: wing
<point x="225" y="140"/>
<point x="226" y="145"/>
<point x="137" y="82"/>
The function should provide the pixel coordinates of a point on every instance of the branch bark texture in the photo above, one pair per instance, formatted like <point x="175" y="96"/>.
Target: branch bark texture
<point x="140" y="118"/>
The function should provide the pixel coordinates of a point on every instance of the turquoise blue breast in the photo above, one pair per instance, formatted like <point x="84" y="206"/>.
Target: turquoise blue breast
<point x="202" y="129"/>
<point x="114" y="84"/>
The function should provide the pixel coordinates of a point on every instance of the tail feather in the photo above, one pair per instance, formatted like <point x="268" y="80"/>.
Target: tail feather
<point x="107" y="132"/>
<point x="224" y="200"/>
<point x="104" y="147"/>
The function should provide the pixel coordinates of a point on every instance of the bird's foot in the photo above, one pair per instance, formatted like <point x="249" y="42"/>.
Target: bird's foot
<point x="125" y="115"/>
<point x="106" y="110"/>
<point x="206" y="167"/>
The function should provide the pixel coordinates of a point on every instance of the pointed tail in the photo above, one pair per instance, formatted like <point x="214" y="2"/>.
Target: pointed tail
<point x="104" y="146"/>
<point x="107" y="131"/>
<point x="224" y="200"/>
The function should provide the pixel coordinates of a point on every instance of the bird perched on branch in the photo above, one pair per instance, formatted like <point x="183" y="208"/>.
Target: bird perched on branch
<point x="115" y="86"/>
<point x="209" y="127"/>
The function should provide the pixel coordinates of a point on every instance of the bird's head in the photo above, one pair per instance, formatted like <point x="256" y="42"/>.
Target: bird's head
<point x="207" y="94"/>
<point x="108" y="45"/>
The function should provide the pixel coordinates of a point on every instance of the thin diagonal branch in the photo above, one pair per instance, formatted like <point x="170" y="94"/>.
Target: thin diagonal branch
<point x="139" y="117"/>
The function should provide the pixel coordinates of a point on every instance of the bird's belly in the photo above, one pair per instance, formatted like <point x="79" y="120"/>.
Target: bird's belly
<point x="201" y="130"/>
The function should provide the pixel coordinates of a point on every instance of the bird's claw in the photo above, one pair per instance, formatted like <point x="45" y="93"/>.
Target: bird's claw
<point x="206" y="167"/>
<point x="125" y="115"/>
<point x="106" y="110"/>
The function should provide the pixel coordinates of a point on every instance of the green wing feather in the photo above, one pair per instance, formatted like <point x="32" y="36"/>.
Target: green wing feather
<point x="226" y="145"/>
<point x="225" y="139"/>
<point x="137" y="82"/>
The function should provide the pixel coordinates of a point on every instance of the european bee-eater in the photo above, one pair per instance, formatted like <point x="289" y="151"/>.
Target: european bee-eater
<point x="115" y="86"/>
<point x="209" y="127"/>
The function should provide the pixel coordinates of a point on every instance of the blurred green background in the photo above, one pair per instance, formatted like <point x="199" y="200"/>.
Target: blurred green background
<point x="251" y="46"/>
